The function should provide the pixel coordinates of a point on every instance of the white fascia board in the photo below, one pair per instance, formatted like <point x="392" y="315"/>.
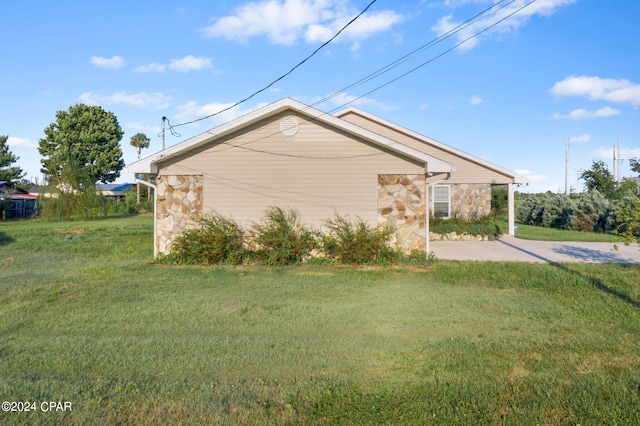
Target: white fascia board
<point x="518" y="179"/>
<point x="149" y="163"/>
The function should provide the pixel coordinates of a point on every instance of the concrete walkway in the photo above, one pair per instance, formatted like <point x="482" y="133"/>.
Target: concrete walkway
<point x="512" y="249"/>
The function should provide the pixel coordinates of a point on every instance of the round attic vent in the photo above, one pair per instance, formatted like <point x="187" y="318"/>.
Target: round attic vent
<point x="289" y="126"/>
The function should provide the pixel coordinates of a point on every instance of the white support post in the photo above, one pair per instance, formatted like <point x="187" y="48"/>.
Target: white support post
<point x="511" y="202"/>
<point x="155" y="215"/>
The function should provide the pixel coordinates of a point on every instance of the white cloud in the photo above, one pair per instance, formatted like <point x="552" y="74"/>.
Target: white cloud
<point x="580" y="139"/>
<point x="532" y="176"/>
<point x="114" y="62"/>
<point x="581" y="113"/>
<point x="607" y="153"/>
<point x="154" y="100"/>
<point x="147" y="129"/>
<point x="476" y="100"/>
<point x="596" y="88"/>
<point x="288" y="21"/>
<point x="21" y="142"/>
<point x="190" y="63"/>
<point x="186" y="64"/>
<point x="150" y="68"/>
<point x="509" y="25"/>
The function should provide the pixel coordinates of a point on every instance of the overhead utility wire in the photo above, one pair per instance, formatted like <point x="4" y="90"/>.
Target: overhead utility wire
<point x="406" y="57"/>
<point x="282" y="76"/>
<point x="390" y="66"/>
<point x="434" y="58"/>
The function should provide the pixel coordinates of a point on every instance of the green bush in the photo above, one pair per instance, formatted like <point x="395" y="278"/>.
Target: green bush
<point x="215" y="240"/>
<point x="280" y="239"/>
<point x="592" y="212"/>
<point x="484" y="226"/>
<point x="547" y="210"/>
<point x="354" y="242"/>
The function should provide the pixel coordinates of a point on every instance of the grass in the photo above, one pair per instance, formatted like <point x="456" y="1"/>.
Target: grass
<point x="528" y="232"/>
<point x="86" y="317"/>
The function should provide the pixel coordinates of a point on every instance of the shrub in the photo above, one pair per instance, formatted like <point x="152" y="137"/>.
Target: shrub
<point x="215" y="240"/>
<point x="557" y="212"/>
<point x="592" y="211"/>
<point x="484" y="226"/>
<point x="354" y="242"/>
<point x="280" y="239"/>
<point x="499" y="200"/>
<point x="628" y="219"/>
<point x="548" y="210"/>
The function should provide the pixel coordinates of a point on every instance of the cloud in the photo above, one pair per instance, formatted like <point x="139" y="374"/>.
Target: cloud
<point x="286" y="22"/>
<point x="140" y="127"/>
<point x="596" y="89"/>
<point x="532" y="176"/>
<point x="150" y="68"/>
<point x="154" y="100"/>
<point x="20" y="142"/>
<point x="114" y="62"/>
<point x="607" y="153"/>
<point x="581" y="113"/>
<point x="190" y="63"/>
<point x="509" y="25"/>
<point x="186" y="64"/>
<point x="476" y="100"/>
<point x="580" y="139"/>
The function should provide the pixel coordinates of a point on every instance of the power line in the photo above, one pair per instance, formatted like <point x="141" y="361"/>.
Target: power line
<point x="425" y="46"/>
<point x="383" y="70"/>
<point x="435" y="57"/>
<point x="283" y="75"/>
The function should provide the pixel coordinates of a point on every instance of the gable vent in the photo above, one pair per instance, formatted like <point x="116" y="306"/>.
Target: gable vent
<point x="289" y="126"/>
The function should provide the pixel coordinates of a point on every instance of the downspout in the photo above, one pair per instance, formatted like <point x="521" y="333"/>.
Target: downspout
<point x="427" y="202"/>
<point x="155" y="215"/>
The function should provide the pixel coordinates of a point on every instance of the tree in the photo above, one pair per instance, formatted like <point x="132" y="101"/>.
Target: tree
<point x="140" y="140"/>
<point x="87" y="135"/>
<point x="8" y="172"/>
<point x="599" y="177"/>
<point x="635" y="165"/>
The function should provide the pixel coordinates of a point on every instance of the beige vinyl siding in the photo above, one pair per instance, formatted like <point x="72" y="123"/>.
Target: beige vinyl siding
<point x="466" y="171"/>
<point x="318" y="171"/>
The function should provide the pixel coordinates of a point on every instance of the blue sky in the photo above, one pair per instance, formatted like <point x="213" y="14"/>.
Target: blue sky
<point x="511" y="95"/>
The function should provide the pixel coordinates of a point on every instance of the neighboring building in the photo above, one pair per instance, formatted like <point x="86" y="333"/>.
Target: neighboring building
<point x="112" y="190"/>
<point x="290" y="155"/>
<point x="15" y="202"/>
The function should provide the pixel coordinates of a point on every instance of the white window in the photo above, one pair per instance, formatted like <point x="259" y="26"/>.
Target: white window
<point x="441" y="201"/>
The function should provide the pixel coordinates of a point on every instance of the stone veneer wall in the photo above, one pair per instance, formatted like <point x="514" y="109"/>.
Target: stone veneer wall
<point x="179" y="200"/>
<point x="470" y="200"/>
<point x="401" y="203"/>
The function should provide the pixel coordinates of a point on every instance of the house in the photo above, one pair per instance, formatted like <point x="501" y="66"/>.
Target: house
<point x="291" y="155"/>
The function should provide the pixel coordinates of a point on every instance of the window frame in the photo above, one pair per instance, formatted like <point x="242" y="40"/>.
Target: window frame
<point x="448" y="202"/>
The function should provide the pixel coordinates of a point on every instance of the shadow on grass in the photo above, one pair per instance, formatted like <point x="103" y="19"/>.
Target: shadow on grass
<point x="585" y="254"/>
<point x="5" y="239"/>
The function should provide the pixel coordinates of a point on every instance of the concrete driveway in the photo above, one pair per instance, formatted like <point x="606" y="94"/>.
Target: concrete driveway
<point x="512" y="249"/>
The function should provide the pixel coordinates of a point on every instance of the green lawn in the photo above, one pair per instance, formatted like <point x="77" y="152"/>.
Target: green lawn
<point x="86" y="317"/>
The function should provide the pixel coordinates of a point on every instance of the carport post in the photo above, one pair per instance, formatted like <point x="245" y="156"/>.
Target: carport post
<point x="511" y="202"/>
<point x="155" y="215"/>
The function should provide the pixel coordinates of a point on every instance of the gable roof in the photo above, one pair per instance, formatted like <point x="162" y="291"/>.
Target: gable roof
<point x="149" y="164"/>
<point x="518" y="179"/>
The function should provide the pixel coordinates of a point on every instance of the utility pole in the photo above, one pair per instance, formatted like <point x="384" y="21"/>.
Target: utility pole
<point x="162" y="127"/>
<point x="567" y="189"/>
<point x="619" y="178"/>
